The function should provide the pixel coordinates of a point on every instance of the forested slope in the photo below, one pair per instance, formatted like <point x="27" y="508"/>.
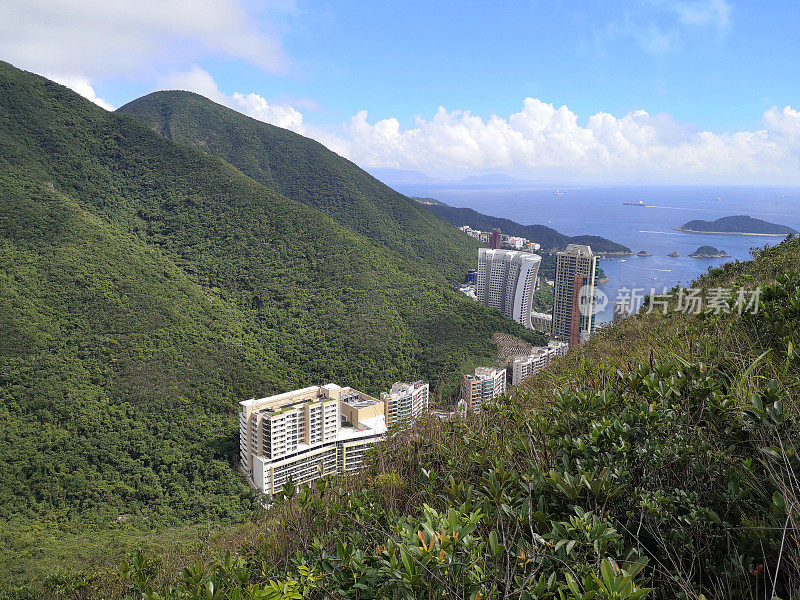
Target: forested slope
<point x="148" y="287"/>
<point x="305" y="170"/>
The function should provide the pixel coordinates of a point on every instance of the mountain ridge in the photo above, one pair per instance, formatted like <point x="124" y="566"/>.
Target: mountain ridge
<point x="306" y="171"/>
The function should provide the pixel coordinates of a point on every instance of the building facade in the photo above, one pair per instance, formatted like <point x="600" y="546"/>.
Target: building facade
<point x="507" y="281"/>
<point x="405" y="401"/>
<point x="486" y="384"/>
<point x="298" y="435"/>
<point x="495" y="239"/>
<point x="542" y="321"/>
<point x="574" y="294"/>
<point x="525" y="366"/>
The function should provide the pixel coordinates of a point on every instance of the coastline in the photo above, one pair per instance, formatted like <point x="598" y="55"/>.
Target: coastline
<point x="733" y="232"/>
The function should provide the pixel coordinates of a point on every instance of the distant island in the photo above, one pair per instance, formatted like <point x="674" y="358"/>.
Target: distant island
<point x="643" y="253"/>
<point x="738" y="225"/>
<point x="709" y="252"/>
<point x="674" y="254"/>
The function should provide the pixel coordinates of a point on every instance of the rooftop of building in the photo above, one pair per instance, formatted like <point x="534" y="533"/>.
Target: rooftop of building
<point x="510" y="254"/>
<point x="578" y="250"/>
<point x="361" y="401"/>
<point x="307" y="395"/>
<point x="401" y="387"/>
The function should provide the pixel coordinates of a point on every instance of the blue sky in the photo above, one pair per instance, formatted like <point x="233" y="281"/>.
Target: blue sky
<point x="665" y="71"/>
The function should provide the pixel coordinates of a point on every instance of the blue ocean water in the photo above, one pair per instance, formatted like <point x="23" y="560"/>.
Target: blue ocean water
<point x="600" y="211"/>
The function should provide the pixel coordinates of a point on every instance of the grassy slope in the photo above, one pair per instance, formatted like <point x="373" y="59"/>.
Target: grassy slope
<point x="678" y="433"/>
<point x="306" y="171"/>
<point x="147" y="288"/>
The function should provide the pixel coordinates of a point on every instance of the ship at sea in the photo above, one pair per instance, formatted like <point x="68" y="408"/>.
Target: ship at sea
<point x="639" y="203"/>
<point x="559" y="193"/>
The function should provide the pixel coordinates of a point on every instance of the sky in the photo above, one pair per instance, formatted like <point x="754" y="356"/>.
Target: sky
<point x="642" y="91"/>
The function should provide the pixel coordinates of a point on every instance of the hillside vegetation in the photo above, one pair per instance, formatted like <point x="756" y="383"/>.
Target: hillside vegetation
<point x="305" y="170"/>
<point x="147" y="288"/>
<point x="660" y="460"/>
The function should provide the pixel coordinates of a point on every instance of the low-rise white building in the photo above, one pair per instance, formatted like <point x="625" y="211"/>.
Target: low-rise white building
<point x="299" y="435"/>
<point x="542" y="321"/>
<point x="541" y="356"/>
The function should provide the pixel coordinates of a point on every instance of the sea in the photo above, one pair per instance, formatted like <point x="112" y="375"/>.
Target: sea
<point x="600" y="211"/>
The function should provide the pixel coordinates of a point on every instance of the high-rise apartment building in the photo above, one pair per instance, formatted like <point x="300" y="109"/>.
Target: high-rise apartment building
<point x="507" y="281"/>
<point x="495" y="239"/>
<point x="299" y="434"/>
<point x="574" y="294"/>
<point x="405" y="401"/>
<point x="486" y="384"/>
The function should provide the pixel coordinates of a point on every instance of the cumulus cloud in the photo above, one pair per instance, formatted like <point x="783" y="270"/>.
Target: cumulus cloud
<point x="98" y="38"/>
<point x="542" y="140"/>
<point x="82" y="86"/>
<point x="254" y="105"/>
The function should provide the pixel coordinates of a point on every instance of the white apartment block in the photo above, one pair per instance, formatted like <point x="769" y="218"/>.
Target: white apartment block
<point x="515" y="243"/>
<point x="506" y="280"/>
<point x="486" y="384"/>
<point x="299" y="434"/>
<point x="541" y="356"/>
<point x="542" y="321"/>
<point x="405" y="401"/>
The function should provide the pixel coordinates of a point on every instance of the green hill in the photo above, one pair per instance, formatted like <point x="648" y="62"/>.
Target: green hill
<point x="305" y="170"/>
<point x="148" y="287"/>
<point x="659" y="460"/>
<point x="738" y="224"/>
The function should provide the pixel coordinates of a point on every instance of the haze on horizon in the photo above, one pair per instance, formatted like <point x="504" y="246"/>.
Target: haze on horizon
<point x="651" y="91"/>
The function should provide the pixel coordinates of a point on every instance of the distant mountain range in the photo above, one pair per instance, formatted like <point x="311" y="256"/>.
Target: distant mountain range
<point x="547" y="237"/>
<point x="411" y="177"/>
<point x="741" y="224"/>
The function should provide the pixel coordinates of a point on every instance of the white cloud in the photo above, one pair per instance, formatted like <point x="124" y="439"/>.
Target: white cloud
<point x="662" y="27"/>
<point x="702" y="12"/>
<point x="98" y="38"/>
<point x="82" y="86"/>
<point x="542" y="140"/>
<point x="251" y="104"/>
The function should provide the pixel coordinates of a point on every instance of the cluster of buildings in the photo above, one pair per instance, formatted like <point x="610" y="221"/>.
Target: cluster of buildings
<point x="495" y="239"/>
<point x="507" y="280"/>
<point x="316" y="431"/>
<point x="305" y="434"/>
